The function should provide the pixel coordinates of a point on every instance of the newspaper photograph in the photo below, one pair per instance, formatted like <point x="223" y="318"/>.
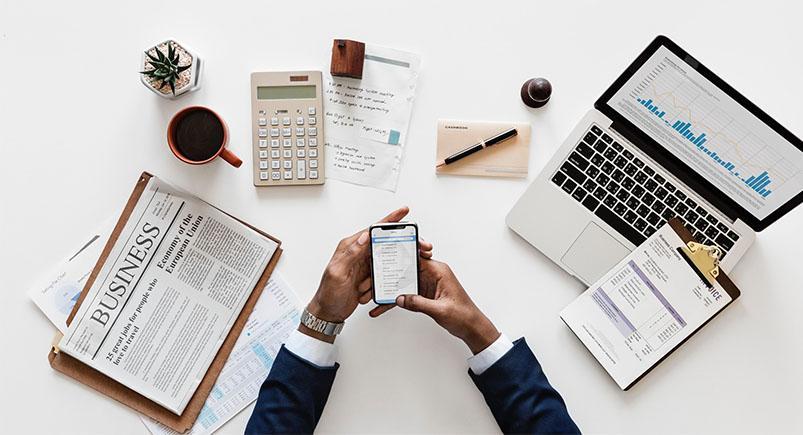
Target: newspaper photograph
<point x="168" y="294"/>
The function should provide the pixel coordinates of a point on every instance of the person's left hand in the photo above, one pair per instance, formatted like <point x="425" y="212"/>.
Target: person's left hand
<point x="346" y="282"/>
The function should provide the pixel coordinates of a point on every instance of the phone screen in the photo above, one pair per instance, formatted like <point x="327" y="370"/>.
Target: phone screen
<point x="394" y="251"/>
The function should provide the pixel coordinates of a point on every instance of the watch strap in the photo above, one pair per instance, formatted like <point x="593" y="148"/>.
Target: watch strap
<point x="319" y="325"/>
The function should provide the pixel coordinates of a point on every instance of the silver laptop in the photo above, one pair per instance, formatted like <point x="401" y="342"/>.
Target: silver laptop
<point x="668" y="138"/>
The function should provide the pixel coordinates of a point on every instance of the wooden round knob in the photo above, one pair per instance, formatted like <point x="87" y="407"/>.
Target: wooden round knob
<point x="536" y="92"/>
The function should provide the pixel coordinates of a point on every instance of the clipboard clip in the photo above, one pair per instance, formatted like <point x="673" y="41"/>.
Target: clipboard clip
<point x="705" y="259"/>
<point x="55" y="342"/>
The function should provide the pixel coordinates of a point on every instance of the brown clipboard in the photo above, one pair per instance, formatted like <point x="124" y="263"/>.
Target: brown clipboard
<point x="722" y="279"/>
<point x="96" y="380"/>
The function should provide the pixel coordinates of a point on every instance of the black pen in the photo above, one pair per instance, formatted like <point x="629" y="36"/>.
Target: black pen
<point x="501" y="137"/>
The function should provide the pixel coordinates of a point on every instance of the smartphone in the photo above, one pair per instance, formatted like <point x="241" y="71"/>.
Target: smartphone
<point x="394" y="261"/>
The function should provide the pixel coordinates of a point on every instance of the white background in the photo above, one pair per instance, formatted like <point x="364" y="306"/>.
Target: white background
<point x="77" y="128"/>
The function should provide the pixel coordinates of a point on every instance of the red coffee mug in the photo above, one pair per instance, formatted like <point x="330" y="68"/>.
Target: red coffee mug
<point x="221" y="151"/>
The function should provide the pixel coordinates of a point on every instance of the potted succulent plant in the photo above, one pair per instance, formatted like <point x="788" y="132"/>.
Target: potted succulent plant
<point x="170" y="69"/>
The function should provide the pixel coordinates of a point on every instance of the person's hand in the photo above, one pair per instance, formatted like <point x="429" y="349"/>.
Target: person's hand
<point x="346" y="281"/>
<point x="442" y="298"/>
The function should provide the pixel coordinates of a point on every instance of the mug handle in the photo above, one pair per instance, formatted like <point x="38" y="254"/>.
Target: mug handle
<point x="231" y="158"/>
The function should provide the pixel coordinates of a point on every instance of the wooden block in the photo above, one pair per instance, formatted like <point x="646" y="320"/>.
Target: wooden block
<point x="347" y="58"/>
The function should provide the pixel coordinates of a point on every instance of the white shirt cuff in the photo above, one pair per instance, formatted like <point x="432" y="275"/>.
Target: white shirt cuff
<point x="315" y="351"/>
<point x="490" y="355"/>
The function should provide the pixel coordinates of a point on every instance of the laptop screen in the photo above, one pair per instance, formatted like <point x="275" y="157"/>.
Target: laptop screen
<point x="723" y="141"/>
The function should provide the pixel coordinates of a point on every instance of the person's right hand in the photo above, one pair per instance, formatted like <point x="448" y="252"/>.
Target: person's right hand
<point x="442" y="298"/>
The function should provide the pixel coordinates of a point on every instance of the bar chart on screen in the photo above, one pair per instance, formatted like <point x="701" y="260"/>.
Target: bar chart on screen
<point x="688" y="116"/>
<point x="759" y="183"/>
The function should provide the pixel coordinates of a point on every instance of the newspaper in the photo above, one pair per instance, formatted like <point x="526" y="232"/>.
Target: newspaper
<point x="167" y="296"/>
<point x="274" y="317"/>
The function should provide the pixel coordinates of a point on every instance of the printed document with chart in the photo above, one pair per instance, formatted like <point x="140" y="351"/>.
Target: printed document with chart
<point x="57" y="292"/>
<point x="167" y="295"/>
<point x="644" y="308"/>
<point x="367" y="119"/>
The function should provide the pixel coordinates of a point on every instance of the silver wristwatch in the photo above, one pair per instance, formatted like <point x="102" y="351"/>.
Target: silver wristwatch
<point x="318" y="325"/>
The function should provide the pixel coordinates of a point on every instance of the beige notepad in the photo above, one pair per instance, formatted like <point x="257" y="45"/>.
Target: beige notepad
<point x="506" y="159"/>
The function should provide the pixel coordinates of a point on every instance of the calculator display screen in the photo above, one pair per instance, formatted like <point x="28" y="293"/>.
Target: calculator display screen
<point x="285" y="92"/>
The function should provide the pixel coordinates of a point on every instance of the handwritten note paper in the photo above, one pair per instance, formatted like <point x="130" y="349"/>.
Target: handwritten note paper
<point x="367" y="119"/>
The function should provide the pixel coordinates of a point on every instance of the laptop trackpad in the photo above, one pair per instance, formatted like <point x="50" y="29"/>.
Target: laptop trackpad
<point x="594" y="253"/>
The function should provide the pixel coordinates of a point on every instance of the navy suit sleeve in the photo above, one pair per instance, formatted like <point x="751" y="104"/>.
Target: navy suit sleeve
<point x="520" y="396"/>
<point x="292" y="398"/>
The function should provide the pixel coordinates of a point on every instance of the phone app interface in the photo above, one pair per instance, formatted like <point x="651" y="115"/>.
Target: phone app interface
<point x="395" y="252"/>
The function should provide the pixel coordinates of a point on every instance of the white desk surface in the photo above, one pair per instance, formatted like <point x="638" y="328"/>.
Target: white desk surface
<point x="77" y="127"/>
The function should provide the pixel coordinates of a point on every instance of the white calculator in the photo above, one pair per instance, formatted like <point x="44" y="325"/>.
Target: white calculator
<point x="287" y="112"/>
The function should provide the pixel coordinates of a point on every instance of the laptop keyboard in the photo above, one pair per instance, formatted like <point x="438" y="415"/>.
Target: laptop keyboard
<point x="630" y="196"/>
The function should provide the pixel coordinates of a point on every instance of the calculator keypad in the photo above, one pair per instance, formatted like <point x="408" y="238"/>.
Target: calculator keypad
<point x="286" y="145"/>
<point x="294" y="142"/>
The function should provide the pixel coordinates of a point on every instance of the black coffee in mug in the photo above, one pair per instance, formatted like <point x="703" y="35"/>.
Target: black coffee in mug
<point x="198" y="135"/>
